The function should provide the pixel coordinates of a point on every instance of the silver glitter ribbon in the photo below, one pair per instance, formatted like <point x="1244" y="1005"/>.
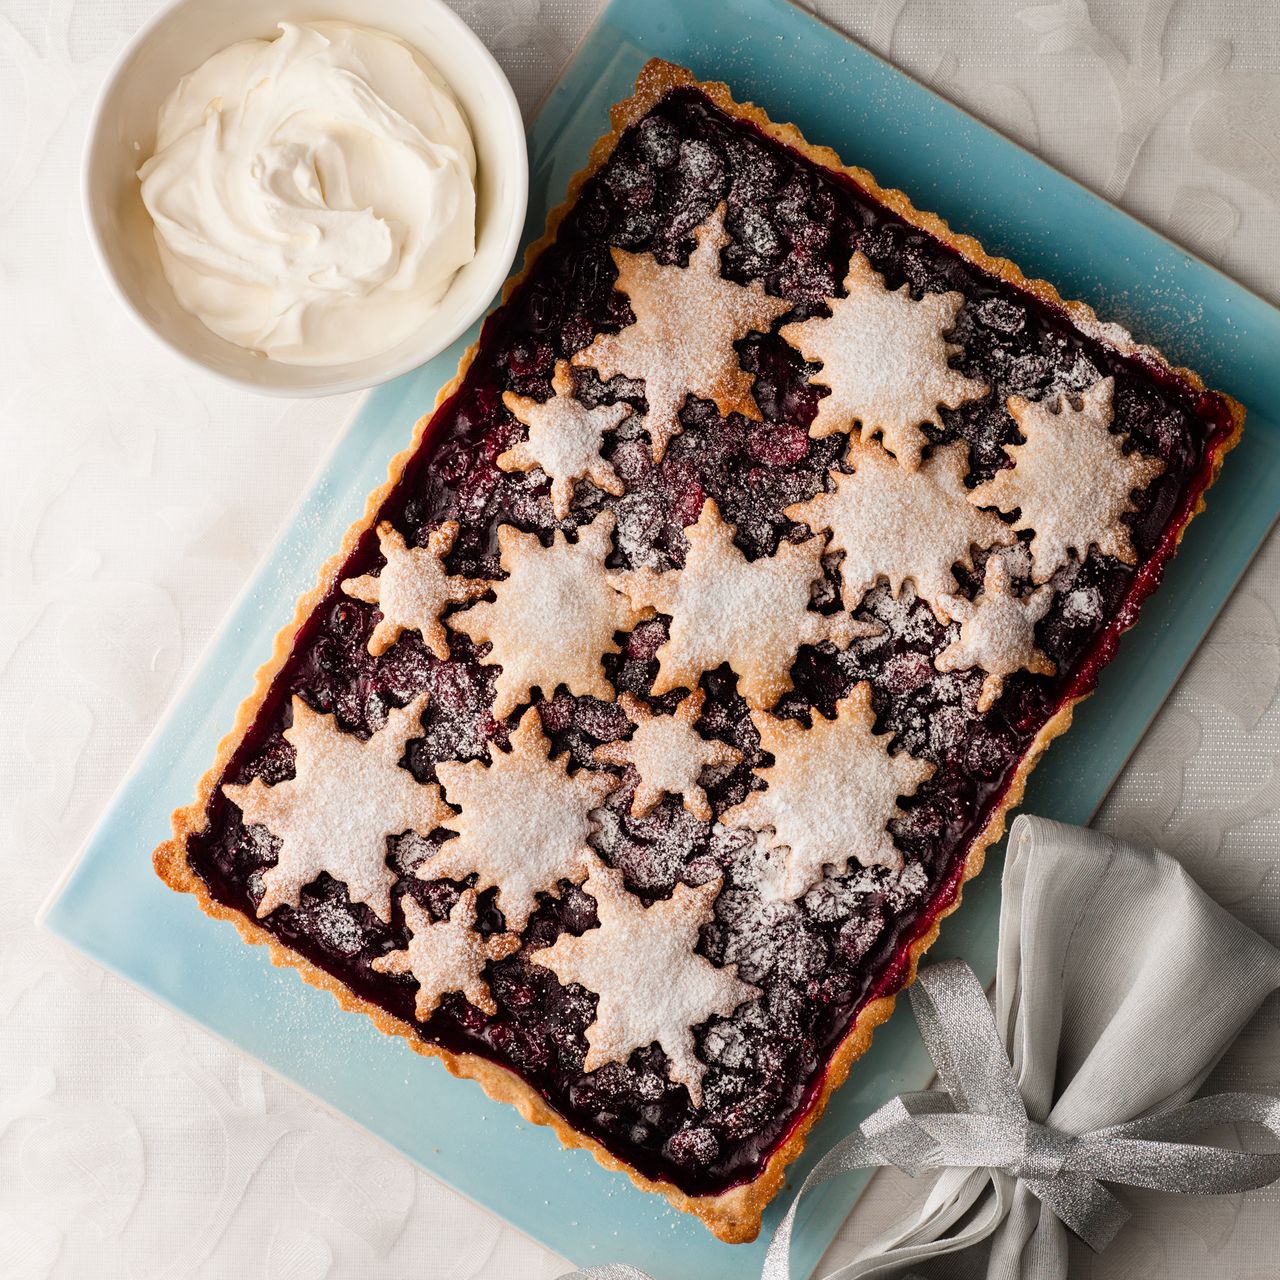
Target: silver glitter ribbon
<point x="1119" y="984"/>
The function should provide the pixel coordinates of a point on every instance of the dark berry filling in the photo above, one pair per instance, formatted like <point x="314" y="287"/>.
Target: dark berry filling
<point x="819" y="960"/>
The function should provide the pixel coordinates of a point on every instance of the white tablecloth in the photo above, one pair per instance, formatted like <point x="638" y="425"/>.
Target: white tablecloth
<point x="133" y="1146"/>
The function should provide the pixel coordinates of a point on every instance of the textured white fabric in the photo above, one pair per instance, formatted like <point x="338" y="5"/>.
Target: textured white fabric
<point x="132" y="1146"/>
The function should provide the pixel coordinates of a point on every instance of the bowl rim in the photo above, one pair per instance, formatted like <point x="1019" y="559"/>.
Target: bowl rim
<point x="519" y="176"/>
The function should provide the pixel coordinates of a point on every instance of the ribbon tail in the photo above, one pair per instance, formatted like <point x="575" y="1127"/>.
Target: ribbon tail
<point x="609" y="1271"/>
<point x="1153" y="1152"/>
<point x="848" y="1154"/>
<point x="960" y="1034"/>
<point x="1082" y="1204"/>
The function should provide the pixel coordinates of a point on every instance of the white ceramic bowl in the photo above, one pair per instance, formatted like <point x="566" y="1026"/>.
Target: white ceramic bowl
<point x="122" y="136"/>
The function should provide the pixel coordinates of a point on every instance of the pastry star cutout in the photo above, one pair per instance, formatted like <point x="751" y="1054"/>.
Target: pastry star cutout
<point x="414" y="589"/>
<point x="335" y="814"/>
<point x="752" y="614"/>
<point x="564" y="440"/>
<point x="668" y="754"/>
<point x="554" y="616"/>
<point x="831" y="792"/>
<point x="886" y="359"/>
<point x="447" y="955"/>
<point x="997" y="632"/>
<point x="1071" y="481"/>
<point x="681" y="344"/>
<point x="651" y="983"/>
<point x="524" y="822"/>
<point x="898" y="524"/>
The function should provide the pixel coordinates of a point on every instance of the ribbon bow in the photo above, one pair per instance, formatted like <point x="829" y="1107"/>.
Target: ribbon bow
<point x="977" y="1119"/>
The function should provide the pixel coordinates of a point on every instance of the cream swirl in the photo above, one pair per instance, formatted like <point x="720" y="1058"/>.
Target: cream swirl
<point x="313" y="195"/>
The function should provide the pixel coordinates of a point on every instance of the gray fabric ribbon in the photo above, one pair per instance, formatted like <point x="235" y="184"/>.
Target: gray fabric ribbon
<point x="1119" y="984"/>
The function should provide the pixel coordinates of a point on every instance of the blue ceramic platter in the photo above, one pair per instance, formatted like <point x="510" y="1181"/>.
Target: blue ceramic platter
<point x="112" y="907"/>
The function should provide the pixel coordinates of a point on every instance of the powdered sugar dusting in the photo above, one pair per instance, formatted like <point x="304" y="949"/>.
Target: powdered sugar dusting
<point x="335" y="814"/>
<point x="560" y="595"/>
<point x="524" y="822"/>
<point x="681" y="344"/>
<point x="876" y="517"/>
<point x="997" y="632"/>
<point x="335" y="927"/>
<point x="414" y="589"/>
<point x="886" y="361"/>
<point x="564" y="440"/>
<point x="1082" y="605"/>
<point x="447" y="955"/>
<point x="752" y="614"/>
<point x="1071" y="481"/>
<point x="652" y="985"/>
<point x="831" y="792"/>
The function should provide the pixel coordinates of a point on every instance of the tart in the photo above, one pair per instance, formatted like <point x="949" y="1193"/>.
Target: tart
<point x="631" y="748"/>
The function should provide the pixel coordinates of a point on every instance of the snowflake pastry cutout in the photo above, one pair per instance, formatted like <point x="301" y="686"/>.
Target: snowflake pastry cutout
<point x="652" y="985"/>
<point x="347" y="796"/>
<point x="886" y="360"/>
<point x="668" y="754"/>
<point x="681" y="344"/>
<point x="831" y="792"/>
<point x="554" y="615"/>
<point x="752" y="614"/>
<point x="1071" y="481"/>
<point x="447" y="955"/>
<point x="524" y="822"/>
<point x="414" y="589"/>
<point x="564" y="440"/>
<point x="997" y="632"/>
<point x="897" y="524"/>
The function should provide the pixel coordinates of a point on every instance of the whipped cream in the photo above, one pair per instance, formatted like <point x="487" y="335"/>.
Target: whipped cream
<point x="313" y="195"/>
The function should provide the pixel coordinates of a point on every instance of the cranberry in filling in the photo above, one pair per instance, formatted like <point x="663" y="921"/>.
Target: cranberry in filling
<point x="818" y="960"/>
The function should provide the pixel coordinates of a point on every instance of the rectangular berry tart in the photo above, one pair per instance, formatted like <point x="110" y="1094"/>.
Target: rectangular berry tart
<point x="631" y="748"/>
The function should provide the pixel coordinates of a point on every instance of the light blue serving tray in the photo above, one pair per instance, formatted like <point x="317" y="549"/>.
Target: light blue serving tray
<point x="113" y="908"/>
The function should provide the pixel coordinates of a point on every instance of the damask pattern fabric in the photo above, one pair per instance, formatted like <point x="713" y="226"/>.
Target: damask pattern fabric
<point x="129" y="1141"/>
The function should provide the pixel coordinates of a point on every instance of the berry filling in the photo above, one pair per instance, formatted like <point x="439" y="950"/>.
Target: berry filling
<point x="820" y="959"/>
